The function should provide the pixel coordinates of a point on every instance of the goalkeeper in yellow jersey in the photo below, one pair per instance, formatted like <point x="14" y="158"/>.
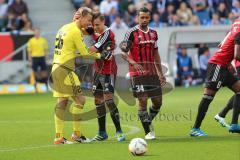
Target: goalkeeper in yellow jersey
<point x="65" y="83"/>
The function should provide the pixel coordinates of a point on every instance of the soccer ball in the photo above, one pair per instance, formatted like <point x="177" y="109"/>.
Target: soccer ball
<point x="137" y="146"/>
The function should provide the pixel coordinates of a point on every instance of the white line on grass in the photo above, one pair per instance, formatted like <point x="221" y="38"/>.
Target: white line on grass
<point x="133" y="130"/>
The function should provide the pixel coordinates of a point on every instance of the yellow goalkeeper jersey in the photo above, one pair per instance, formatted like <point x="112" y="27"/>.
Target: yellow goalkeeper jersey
<point x="69" y="44"/>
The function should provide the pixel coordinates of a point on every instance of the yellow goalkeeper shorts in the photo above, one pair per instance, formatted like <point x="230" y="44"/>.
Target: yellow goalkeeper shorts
<point x="64" y="82"/>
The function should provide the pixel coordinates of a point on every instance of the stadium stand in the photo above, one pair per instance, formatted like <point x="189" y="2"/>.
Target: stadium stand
<point x="170" y="12"/>
<point x="14" y="16"/>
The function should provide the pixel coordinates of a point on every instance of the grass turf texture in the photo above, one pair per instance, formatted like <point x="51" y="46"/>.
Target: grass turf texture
<point x="27" y="131"/>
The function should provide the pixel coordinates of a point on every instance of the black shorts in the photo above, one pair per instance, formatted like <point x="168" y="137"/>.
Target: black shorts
<point x="143" y="86"/>
<point x="218" y="76"/>
<point x="39" y="63"/>
<point x="103" y="84"/>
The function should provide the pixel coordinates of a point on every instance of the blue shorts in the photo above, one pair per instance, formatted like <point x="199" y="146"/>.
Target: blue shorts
<point x="39" y="63"/>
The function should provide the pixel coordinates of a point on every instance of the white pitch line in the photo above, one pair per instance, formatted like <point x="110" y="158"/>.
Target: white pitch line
<point x="27" y="148"/>
<point x="133" y="130"/>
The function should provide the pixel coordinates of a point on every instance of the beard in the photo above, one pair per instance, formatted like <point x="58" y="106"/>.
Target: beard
<point x="144" y="26"/>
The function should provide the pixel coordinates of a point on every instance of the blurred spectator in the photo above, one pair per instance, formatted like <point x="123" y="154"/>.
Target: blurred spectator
<point x="154" y="7"/>
<point x="88" y="3"/>
<point x="124" y="5"/>
<point x="26" y="24"/>
<point x="236" y="8"/>
<point x="11" y="22"/>
<point x="215" y="20"/>
<point x="77" y="3"/>
<point x="107" y="5"/>
<point x="140" y="3"/>
<point x="113" y="14"/>
<point x="213" y="5"/>
<point x="167" y="14"/>
<point x="3" y="14"/>
<point x="198" y="5"/>
<point x="231" y="18"/>
<point x="130" y="15"/>
<point x="22" y="21"/>
<point x="177" y="3"/>
<point x="203" y="62"/>
<point x="184" y="14"/>
<point x="174" y="21"/>
<point x="118" y="24"/>
<point x="96" y="9"/>
<point x="222" y="12"/>
<point x="200" y="9"/>
<point x="155" y="23"/>
<point x="149" y="6"/>
<point x="185" y="72"/>
<point x="171" y="12"/>
<point x="10" y="2"/>
<point x="194" y="21"/>
<point x="229" y="4"/>
<point x="161" y="5"/>
<point x="18" y="8"/>
<point x="14" y="16"/>
<point x="179" y="50"/>
<point x="201" y="49"/>
<point x="97" y="2"/>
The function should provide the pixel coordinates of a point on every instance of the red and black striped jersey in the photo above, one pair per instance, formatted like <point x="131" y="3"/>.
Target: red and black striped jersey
<point x="102" y="41"/>
<point x="225" y="54"/>
<point x="142" y="49"/>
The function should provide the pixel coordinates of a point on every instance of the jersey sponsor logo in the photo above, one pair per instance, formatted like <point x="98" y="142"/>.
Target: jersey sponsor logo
<point x="144" y="42"/>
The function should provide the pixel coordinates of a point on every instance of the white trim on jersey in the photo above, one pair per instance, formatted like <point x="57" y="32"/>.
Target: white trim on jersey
<point x="103" y="38"/>
<point x="127" y="35"/>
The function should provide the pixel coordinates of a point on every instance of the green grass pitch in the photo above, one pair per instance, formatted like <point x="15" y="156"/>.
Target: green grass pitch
<point x="27" y="131"/>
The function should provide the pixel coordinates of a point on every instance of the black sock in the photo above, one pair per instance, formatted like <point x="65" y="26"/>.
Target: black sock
<point x="153" y="113"/>
<point x="114" y="114"/>
<point x="101" y="111"/>
<point x="236" y="108"/>
<point x="202" y="110"/>
<point x="228" y="107"/>
<point x="145" y="120"/>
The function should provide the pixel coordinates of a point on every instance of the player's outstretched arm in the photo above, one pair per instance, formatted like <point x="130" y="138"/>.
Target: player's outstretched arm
<point x="84" y="51"/>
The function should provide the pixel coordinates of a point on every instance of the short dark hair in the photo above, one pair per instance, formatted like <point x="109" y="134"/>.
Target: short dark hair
<point x="144" y="10"/>
<point x="99" y="15"/>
